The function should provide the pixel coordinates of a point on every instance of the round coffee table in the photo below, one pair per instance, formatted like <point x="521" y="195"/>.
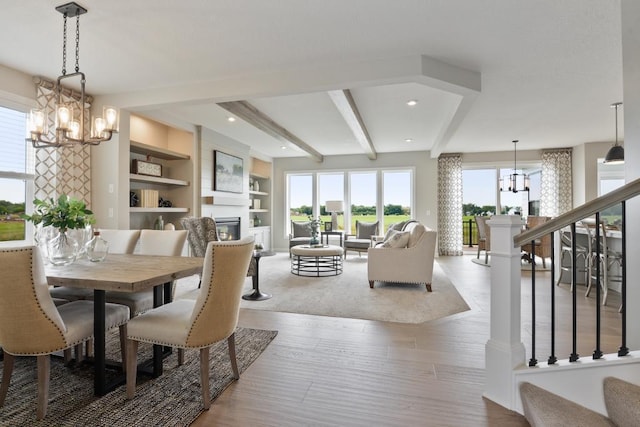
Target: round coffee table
<point x="316" y="261"/>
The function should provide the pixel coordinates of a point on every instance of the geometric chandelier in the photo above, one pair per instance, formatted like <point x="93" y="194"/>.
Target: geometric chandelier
<point x="516" y="181"/>
<point x="70" y="116"/>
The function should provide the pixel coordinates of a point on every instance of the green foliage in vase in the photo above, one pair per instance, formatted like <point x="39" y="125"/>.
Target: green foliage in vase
<point x="65" y="213"/>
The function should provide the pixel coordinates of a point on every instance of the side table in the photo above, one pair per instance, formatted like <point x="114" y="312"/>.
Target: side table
<point x="256" y="295"/>
<point x="326" y="234"/>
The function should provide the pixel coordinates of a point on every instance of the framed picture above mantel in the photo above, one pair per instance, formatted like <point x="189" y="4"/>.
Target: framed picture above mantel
<point x="228" y="172"/>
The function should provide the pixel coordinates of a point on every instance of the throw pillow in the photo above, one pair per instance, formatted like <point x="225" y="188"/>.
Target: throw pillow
<point x="301" y="228"/>
<point x="398" y="239"/>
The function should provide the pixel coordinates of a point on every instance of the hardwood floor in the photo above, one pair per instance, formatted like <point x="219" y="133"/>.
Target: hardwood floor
<point x="322" y="371"/>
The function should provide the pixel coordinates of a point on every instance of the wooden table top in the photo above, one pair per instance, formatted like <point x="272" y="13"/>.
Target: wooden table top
<point x="124" y="273"/>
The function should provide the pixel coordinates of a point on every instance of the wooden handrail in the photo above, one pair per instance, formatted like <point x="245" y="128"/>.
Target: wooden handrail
<point x="614" y="197"/>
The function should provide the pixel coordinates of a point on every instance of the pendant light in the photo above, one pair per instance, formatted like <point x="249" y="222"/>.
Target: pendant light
<point x="70" y="117"/>
<point x="615" y="155"/>
<point x="516" y="181"/>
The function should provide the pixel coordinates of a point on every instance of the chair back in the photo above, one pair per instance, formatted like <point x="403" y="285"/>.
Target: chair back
<point x="481" y="224"/>
<point x="300" y="229"/>
<point x="364" y="230"/>
<point x="202" y="230"/>
<point x="120" y="241"/>
<point x="215" y="315"/>
<point x="29" y="321"/>
<point x="162" y="242"/>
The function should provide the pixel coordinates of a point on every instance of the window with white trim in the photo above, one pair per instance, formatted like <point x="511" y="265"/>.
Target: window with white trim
<point x="16" y="178"/>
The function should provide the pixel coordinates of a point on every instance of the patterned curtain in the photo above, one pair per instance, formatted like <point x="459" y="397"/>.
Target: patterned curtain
<point x="64" y="170"/>
<point x="450" y="204"/>
<point x="556" y="181"/>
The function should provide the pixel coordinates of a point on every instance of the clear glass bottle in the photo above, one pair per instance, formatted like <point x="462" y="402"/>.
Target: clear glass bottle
<point x="97" y="248"/>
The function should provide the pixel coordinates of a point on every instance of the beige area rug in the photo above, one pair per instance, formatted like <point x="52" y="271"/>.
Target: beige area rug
<point x="348" y="294"/>
<point x="174" y="399"/>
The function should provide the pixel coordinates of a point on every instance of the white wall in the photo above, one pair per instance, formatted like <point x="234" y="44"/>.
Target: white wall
<point x="211" y="141"/>
<point x="426" y="183"/>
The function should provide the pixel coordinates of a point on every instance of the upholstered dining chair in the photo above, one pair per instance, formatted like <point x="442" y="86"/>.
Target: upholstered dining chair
<point x="203" y="230"/>
<point x="120" y="242"/>
<point x="200" y="323"/>
<point x="361" y="241"/>
<point x="35" y="326"/>
<point x="151" y="242"/>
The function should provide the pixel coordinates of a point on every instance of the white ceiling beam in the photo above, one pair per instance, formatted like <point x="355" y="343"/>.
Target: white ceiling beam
<point x="259" y="120"/>
<point x="346" y="105"/>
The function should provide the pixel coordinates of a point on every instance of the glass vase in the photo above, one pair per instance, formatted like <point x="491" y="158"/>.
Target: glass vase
<point x="62" y="249"/>
<point x="42" y="236"/>
<point x="97" y="248"/>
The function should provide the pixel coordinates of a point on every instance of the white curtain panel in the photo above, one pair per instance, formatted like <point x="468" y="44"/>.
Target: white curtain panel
<point x="65" y="170"/>
<point x="556" y="182"/>
<point x="450" y="204"/>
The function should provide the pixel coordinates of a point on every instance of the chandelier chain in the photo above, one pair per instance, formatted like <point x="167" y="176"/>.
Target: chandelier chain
<point x="77" y="42"/>
<point x="64" y="46"/>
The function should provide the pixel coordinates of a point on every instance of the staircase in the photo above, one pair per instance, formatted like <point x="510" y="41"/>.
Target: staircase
<point x="545" y="409"/>
<point x="578" y="378"/>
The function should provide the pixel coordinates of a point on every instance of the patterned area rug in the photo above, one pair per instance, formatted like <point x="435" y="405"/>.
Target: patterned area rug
<point x="174" y="399"/>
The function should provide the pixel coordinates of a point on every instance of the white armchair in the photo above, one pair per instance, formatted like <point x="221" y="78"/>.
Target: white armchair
<point x="410" y="264"/>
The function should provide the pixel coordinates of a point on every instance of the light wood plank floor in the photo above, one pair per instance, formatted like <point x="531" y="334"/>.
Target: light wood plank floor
<point x="322" y="371"/>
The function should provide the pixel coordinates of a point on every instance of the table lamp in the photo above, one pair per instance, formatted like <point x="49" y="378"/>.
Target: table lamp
<point x="334" y="206"/>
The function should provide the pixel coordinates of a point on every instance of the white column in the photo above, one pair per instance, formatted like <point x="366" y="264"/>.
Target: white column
<point x="504" y="351"/>
<point x="631" y="110"/>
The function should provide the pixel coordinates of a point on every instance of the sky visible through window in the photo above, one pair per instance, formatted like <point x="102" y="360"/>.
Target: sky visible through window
<point x="397" y="189"/>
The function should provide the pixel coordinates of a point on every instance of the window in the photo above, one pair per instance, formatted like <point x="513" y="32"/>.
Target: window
<point x="330" y="187"/>
<point x="16" y="177"/>
<point x="367" y="195"/>
<point x="396" y="187"/>
<point x="610" y="177"/>
<point x="363" y="197"/>
<point x="300" y="197"/>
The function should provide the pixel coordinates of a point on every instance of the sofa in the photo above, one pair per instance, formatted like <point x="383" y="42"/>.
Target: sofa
<point x="405" y="256"/>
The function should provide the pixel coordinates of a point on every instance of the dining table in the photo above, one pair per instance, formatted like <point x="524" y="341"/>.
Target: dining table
<point x="122" y="273"/>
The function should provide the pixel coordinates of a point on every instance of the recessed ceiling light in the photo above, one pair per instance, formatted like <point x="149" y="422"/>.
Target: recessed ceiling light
<point x="412" y="102"/>
<point x="283" y="147"/>
<point x="231" y="119"/>
<point x="408" y="140"/>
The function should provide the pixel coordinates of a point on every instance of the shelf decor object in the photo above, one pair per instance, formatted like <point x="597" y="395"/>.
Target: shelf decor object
<point x="228" y="172"/>
<point x="142" y="167"/>
<point x="70" y="116"/>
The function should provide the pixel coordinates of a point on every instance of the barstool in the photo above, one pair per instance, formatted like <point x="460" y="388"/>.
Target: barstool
<point x="583" y="252"/>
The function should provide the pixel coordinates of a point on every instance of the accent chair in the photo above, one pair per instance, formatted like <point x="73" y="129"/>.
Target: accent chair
<point x="300" y="234"/>
<point x="361" y="241"/>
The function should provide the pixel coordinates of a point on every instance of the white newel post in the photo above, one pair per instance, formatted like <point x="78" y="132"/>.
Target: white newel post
<point x="504" y="351"/>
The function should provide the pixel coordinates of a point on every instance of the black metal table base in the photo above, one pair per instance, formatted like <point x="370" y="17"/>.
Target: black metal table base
<point x="256" y="295"/>
<point x="316" y="266"/>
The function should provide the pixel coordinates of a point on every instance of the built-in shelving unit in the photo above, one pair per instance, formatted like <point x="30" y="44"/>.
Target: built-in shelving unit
<point x="260" y="201"/>
<point x="155" y="142"/>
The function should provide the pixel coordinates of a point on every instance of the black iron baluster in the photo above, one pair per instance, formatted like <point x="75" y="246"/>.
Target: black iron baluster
<point x="470" y="233"/>
<point x="574" y="279"/>
<point x="552" y="358"/>
<point x="533" y="361"/>
<point x="597" y="353"/>
<point x="624" y="350"/>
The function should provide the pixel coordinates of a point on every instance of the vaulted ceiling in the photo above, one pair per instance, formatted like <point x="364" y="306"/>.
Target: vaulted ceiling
<point x="334" y="77"/>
